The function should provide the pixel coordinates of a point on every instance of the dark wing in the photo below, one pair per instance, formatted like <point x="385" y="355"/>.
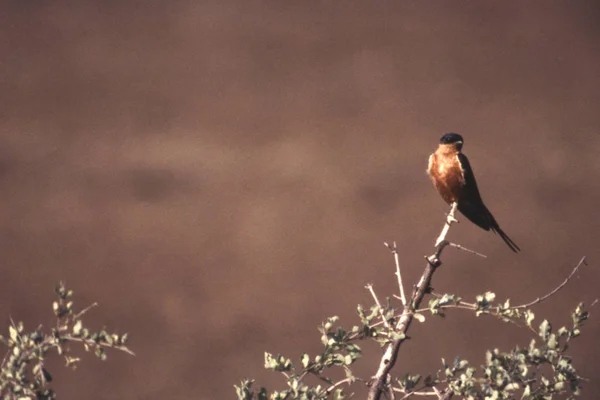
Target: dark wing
<point x="471" y="205"/>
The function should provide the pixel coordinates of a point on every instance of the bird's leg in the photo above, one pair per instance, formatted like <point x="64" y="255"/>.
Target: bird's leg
<point x="449" y="220"/>
<point x="450" y="215"/>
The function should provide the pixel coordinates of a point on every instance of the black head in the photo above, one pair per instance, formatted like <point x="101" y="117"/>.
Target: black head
<point x="452" y="138"/>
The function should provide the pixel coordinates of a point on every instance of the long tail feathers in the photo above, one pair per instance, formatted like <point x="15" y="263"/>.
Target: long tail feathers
<point x="482" y="217"/>
<point x="513" y="246"/>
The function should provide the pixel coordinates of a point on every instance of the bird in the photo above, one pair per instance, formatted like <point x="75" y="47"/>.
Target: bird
<point x="453" y="178"/>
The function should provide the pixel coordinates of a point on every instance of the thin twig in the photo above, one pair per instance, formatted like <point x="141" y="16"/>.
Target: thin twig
<point x="473" y="307"/>
<point x="391" y="351"/>
<point x="394" y="250"/>
<point x="418" y="392"/>
<point x="92" y="343"/>
<point x="88" y="308"/>
<point x="540" y="299"/>
<point x="443" y="395"/>
<point x="458" y="246"/>
<point x="370" y="288"/>
<point x="335" y="385"/>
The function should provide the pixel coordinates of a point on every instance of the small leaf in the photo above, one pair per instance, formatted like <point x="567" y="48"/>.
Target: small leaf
<point x="100" y="353"/>
<point x="305" y="360"/>
<point x="14" y="335"/>
<point x="575" y="332"/>
<point x="339" y="394"/>
<point x="396" y="335"/>
<point x="545" y="329"/>
<point x="270" y="362"/>
<point x="419" y="317"/>
<point x="545" y="382"/>
<point x="552" y="342"/>
<point x="77" y="328"/>
<point x="529" y="317"/>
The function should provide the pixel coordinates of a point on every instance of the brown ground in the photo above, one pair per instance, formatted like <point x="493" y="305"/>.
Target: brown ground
<point x="221" y="176"/>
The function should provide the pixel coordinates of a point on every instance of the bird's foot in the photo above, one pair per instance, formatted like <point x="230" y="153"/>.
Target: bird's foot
<point x="450" y="218"/>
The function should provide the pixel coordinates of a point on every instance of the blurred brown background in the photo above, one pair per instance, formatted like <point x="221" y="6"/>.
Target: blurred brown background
<point x="221" y="176"/>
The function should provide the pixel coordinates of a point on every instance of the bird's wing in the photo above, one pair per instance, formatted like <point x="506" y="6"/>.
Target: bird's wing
<point x="472" y="207"/>
<point x="470" y="203"/>
<point x="469" y="190"/>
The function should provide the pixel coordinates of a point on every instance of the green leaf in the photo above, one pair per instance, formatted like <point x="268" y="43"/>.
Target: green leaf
<point x="545" y="329"/>
<point x="77" y="328"/>
<point x="14" y="335"/>
<point x="305" y="360"/>
<point x="324" y="339"/>
<point x="552" y="342"/>
<point x="339" y="394"/>
<point x="270" y="362"/>
<point x="262" y="394"/>
<point x="562" y="331"/>
<point x="529" y="317"/>
<point x="419" y="317"/>
<point x="396" y="335"/>
<point x="575" y="332"/>
<point x="100" y="353"/>
<point x="545" y="382"/>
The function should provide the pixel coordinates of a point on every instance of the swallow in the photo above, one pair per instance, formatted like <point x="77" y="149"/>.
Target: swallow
<point x="453" y="178"/>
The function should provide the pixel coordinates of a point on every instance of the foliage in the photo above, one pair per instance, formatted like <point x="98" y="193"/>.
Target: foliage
<point x="23" y="373"/>
<point x="538" y="370"/>
<point x="533" y="372"/>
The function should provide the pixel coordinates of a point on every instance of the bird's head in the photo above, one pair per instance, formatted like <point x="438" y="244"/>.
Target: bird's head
<point x="453" y="140"/>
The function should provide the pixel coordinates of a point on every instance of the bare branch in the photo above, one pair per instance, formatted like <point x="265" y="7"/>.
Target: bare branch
<point x="458" y="246"/>
<point x="85" y="310"/>
<point x="383" y="319"/>
<point x="390" y="355"/>
<point x="335" y="385"/>
<point x="394" y="250"/>
<point x="415" y="393"/>
<point x="540" y="299"/>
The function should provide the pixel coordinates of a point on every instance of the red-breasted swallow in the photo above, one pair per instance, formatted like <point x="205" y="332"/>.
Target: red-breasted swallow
<point x="453" y="178"/>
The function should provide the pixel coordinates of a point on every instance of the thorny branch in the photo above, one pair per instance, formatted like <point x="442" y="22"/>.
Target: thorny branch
<point x="381" y="378"/>
<point x="391" y="352"/>
<point x="540" y="299"/>
<point x="380" y="383"/>
<point x="394" y="250"/>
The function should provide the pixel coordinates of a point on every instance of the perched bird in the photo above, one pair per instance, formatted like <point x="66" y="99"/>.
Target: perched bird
<point x="453" y="178"/>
